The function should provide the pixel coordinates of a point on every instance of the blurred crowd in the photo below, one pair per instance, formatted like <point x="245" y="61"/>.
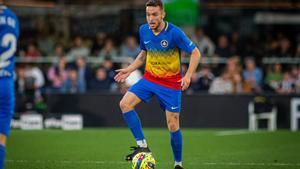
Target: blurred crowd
<point x="242" y="73"/>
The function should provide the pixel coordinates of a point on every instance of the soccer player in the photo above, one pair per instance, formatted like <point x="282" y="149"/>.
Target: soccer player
<point x="9" y="33"/>
<point x="161" y="43"/>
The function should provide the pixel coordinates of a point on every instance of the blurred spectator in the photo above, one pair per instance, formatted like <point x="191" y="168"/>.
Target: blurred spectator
<point x="34" y="82"/>
<point x="79" y="49"/>
<point x="233" y="70"/>
<point x="221" y="85"/>
<point x="20" y="83"/>
<point x="236" y="45"/>
<point x="46" y="44"/>
<point x="201" y="81"/>
<point x="298" y="51"/>
<point x="101" y="82"/>
<point x="59" y="51"/>
<point x="108" y="50"/>
<point x="274" y="77"/>
<point x="98" y="43"/>
<point x="33" y="71"/>
<point x="108" y="66"/>
<point x="73" y="84"/>
<point x="130" y="48"/>
<point x="25" y="88"/>
<point x="232" y="66"/>
<point x="284" y="48"/>
<point x="295" y="74"/>
<point x="194" y="86"/>
<point x="57" y="75"/>
<point x="32" y="51"/>
<point x="206" y="78"/>
<point x="204" y="43"/>
<point x="253" y="76"/>
<point x="223" y="49"/>
<point x="287" y="85"/>
<point x="84" y="72"/>
<point x="237" y="83"/>
<point x="272" y="46"/>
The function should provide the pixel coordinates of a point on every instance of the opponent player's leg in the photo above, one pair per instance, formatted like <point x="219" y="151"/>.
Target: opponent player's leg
<point x="7" y="101"/>
<point x="5" y="119"/>
<point x="176" y="137"/>
<point x="2" y="149"/>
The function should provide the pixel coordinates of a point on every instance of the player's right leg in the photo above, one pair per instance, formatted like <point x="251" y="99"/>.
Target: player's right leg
<point x="129" y="101"/>
<point x="134" y="96"/>
<point x="127" y="105"/>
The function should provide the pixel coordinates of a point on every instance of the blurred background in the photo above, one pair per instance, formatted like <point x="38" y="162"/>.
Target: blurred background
<point x="68" y="51"/>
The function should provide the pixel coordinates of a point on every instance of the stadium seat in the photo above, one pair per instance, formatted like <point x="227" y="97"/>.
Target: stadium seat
<point x="295" y="113"/>
<point x="255" y="117"/>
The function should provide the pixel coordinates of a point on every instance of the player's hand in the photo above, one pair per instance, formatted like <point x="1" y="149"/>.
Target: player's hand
<point x="185" y="82"/>
<point x="122" y="75"/>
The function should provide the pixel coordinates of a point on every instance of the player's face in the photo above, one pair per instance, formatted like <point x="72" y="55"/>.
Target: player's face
<point x="155" y="16"/>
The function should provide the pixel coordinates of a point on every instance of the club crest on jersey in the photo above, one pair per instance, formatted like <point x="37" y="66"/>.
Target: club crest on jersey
<point x="164" y="43"/>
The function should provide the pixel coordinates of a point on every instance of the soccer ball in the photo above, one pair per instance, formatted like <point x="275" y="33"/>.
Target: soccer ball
<point x="143" y="160"/>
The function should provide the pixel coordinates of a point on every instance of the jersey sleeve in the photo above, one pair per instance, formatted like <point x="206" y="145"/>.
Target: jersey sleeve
<point x="182" y="41"/>
<point x="142" y="45"/>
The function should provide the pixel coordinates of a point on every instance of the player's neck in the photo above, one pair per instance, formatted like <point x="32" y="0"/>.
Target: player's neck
<point x="159" y="28"/>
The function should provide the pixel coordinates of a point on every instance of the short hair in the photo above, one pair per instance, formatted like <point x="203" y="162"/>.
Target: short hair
<point x="155" y="3"/>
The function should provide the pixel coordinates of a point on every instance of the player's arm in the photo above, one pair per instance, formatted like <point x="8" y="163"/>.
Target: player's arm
<point x="138" y="62"/>
<point x="185" y="44"/>
<point x="194" y="61"/>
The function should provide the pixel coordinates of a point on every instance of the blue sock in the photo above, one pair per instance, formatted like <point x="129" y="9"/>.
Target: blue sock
<point x="2" y="156"/>
<point x="133" y="121"/>
<point x="176" y="142"/>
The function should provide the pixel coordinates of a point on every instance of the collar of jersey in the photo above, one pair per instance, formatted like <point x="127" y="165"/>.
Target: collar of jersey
<point x="165" y="28"/>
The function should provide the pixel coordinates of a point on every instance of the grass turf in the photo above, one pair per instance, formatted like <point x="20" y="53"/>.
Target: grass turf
<point x="105" y="148"/>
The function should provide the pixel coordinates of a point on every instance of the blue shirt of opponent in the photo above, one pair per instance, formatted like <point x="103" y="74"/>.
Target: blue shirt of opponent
<point x="9" y="34"/>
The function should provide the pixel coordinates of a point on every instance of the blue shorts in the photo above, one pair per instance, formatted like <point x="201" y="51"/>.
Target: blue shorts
<point x="169" y="99"/>
<point x="7" y="102"/>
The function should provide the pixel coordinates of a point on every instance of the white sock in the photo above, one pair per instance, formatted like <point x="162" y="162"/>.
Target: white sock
<point x="142" y="143"/>
<point x="178" y="163"/>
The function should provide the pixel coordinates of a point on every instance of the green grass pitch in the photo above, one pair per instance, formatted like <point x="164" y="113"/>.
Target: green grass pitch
<point x="105" y="148"/>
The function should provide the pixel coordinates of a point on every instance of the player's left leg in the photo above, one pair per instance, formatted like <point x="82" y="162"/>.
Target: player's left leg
<point x="176" y="137"/>
<point x="170" y="102"/>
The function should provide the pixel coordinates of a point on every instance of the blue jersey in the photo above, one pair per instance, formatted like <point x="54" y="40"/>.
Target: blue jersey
<point x="9" y="34"/>
<point x="163" y="65"/>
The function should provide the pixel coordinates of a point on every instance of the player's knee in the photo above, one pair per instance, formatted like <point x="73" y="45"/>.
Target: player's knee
<point x="125" y="106"/>
<point x="173" y="126"/>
